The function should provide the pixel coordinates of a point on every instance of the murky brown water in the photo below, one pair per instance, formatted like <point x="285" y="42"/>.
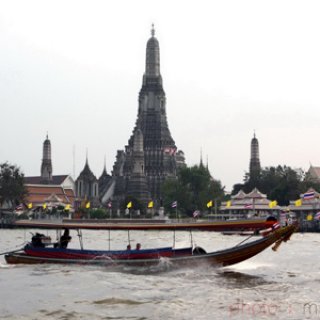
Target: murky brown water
<point x="272" y="285"/>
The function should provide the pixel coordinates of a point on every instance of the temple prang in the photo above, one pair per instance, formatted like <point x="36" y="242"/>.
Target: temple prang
<point x="151" y="155"/>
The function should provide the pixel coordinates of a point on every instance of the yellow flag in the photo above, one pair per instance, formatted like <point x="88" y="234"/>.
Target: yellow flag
<point x="273" y="204"/>
<point x="30" y="205"/>
<point x="309" y="217"/>
<point x="150" y="204"/>
<point x="298" y="203"/>
<point x="129" y="205"/>
<point x="210" y="204"/>
<point x="228" y="205"/>
<point x="44" y="206"/>
<point x="88" y="205"/>
<point x="67" y="207"/>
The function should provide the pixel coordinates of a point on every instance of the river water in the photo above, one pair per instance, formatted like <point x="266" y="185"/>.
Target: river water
<point x="273" y="285"/>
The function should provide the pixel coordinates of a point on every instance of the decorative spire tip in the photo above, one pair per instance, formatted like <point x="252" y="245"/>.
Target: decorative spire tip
<point x="152" y="30"/>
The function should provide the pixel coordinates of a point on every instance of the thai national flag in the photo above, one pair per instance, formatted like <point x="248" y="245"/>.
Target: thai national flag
<point x="174" y="204"/>
<point x="19" y="207"/>
<point x="248" y="206"/>
<point x="308" y="195"/>
<point x="196" y="214"/>
<point x="276" y="226"/>
<point x="317" y="216"/>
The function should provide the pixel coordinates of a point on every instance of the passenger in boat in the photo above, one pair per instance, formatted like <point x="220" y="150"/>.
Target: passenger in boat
<point x="128" y="247"/>
<point x="37" y="240"/>
<point x="138" y="246"/>
<point x="64" y="240"/>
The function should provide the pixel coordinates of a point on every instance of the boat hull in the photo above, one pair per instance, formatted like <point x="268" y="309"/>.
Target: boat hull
<point x="77" y="254"/>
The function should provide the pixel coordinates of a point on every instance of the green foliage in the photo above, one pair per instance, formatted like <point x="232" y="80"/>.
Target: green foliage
<point x="280" y="183"/>
<point x="12" y="188"/>
<point x="98" y="213"/>
<point x="193" y="188"/>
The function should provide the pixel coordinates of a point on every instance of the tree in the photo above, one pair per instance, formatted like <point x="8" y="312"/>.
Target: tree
<point x="192" y="189"/>
<point x="280" y="183"/>
<point x="98" y="213"/>
<point x="12" y="188"/>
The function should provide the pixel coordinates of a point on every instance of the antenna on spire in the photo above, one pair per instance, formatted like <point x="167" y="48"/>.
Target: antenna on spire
<point x="152" y="30"/>
<point x="74" y="161"/>
<point x="47" y="135"/>
<point x="105" y="164"/>
<point x="254" y="133"/>
<point x="201" y="162"/>
<point x="86" y="155"/>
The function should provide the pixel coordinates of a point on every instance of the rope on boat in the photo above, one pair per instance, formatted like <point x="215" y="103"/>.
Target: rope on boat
<point x="15" y="250"/>
<point x="245" y="239"/>
<point x="257" y="232"/>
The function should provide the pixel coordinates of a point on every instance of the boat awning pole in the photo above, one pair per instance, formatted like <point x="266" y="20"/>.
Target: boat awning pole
<point x="174" y="238"/>
<point x="129" y="236"/>
<point x="109" y="239"/>
<point x="191" y="239"/>
<point x="80" y="238"/>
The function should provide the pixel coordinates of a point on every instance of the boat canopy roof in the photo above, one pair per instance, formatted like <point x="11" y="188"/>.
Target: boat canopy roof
<point x="208" y="226"/>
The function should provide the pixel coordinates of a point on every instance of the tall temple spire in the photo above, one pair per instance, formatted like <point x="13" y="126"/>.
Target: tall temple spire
<point x="137" y="184"/>
<point x="255" y="167"/>
<point x="151" y="155"/>
<point x="46" y="165"/>
<point x="152" y="57"/>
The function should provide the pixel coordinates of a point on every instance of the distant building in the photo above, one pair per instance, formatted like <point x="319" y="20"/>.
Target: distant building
<point x="305" y="209"/>
<point x="46" y="164"/>
<point x="255" y="167"/>
<point x="314" y="173"/>
<point x="47" y="189"/>
<point x="151" y="155"/>
<point x="105" y="184"/>
<point x="253" y="203"/>
<point x="87" y="187"/>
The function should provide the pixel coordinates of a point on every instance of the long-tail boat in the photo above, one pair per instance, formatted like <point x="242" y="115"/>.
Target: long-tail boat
<point x="151" y="257"/>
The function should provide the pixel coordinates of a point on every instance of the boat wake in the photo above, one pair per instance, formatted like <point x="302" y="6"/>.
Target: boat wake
<point x="6" y="266"/>
<point x="249" y="265"/>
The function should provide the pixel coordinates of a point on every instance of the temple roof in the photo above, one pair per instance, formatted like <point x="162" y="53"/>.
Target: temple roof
<point x="86" y="173"/>
<point x="42" y="194"/>
<point x="314" y="172"/>
<point x="255" y="193"/>
<point x="240" y="195"/>
<point x="56" y="180"/>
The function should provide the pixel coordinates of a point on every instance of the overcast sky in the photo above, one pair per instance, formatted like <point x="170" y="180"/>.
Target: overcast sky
<point x="74" y="69"/>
